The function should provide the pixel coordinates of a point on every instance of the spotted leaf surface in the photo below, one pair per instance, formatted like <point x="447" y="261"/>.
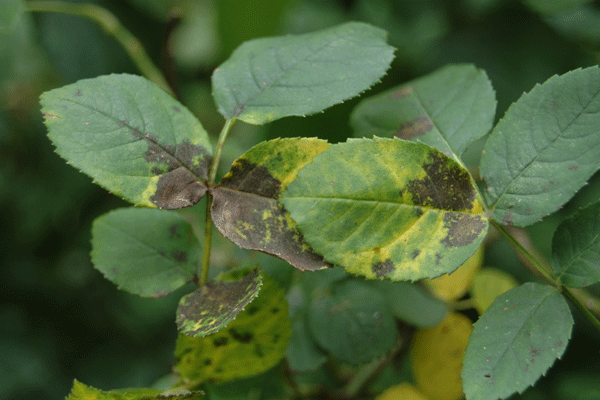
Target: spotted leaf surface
<point x="448" y="109"/>
<point x="254" y="342"/>
<point x="576" y="248"/>
<point x="245" y="207"/>
<point x="212" y="306"/>
<point x="515" y="341"/>
<point x="271" y="78"/>
<point x="83" y="392"/>
<point x="145" y="251"/>
<point x="544" y="149"/>
<point x="132" y="138"/>
<point x="387" y="208"/>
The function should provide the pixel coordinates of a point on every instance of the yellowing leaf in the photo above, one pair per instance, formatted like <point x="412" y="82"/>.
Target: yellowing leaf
<point x="402" y="391"/>
<point x="83" y="392"/>
<point x="455" y="285"/>
<point x="436" y="357"/>
<point x="489" y="283"/>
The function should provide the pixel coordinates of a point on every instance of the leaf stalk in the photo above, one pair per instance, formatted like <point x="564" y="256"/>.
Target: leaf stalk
<point x="113" y="27"/>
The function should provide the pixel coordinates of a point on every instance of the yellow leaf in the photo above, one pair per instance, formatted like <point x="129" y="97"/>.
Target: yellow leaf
<point x="488" y="284"/>
<point x="454" y="286"/>
<point x="402" y="391"/>
<point x="436" y="357"/>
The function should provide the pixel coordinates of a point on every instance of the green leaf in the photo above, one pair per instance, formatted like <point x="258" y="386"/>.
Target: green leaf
<point x="544" y="149"/>
<point x="145" y="251"/>
<point x="245" y="207"/>
<point x="303" y="354"/>
<point x="554" y="6"/>
<point x="132" y="138"/>
<point x="10" y="12"/>
<point x="212" y="306"/>
<point x="515" y="341"/>
<point x="271" y="78"/>
<point x="410" y="303"/>
<point x="387" y="208"/>
<point x="576" y="248"/>
<point x="351" y="321"/>
<point x="254" y="342"/>
<point x="83" y="392"/>
<point x="448" y="109"/>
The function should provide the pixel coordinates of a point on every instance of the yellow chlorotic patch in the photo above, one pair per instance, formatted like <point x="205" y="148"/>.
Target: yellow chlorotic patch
<point x="149" y="192"/>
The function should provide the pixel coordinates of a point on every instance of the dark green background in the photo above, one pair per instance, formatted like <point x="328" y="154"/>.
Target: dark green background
<point x="60" y="319"/>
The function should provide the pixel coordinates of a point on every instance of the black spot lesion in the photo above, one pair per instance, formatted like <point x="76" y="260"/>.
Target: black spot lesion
<point x="447" y="185"/>
<point x="179" y="256"/>
<point x="415" y="253"/>
<point x="242" y="337"/>
<point x="252" y="178"/>
<point x="382" y="268"/>
<point x="415" y="128"/>
<point x="220" y="341"/>
<point x="463" y="229"/>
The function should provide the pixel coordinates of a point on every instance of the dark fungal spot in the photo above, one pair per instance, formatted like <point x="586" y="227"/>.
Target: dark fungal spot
<point x="274" y="310"/>
<point x="220" y="341"/>
<point x="179" y="256"/>
<point x="176" y="109"/>
<point x="447" y="185"/>
<point x="252" y="309"/>
<point x="78" y="93"/>
<point x="438" y="259"/>
<point x="415" y="128"/>
<point x="418" y="211"/>
<point x="157" y="171"/>
<point x="415" y="254"/>
<point x="173" y="231"/>
<point x="252" y="178"/>
<point x="381" y="269"/>
<point x="207" y="362"/>
<point x="573" y="167"/>
<point x="242" y="337"/>
<point x="463" y="229"/>
<point x="218" y="370"/>
<point x="276" y="338"/>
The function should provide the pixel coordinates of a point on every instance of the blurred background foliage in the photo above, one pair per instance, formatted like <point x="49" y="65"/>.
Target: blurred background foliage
<point x="60" y="319"/>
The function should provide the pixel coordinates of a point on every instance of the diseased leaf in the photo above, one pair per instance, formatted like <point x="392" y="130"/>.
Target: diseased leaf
<point x="132" y="138"/>
<point x="271" y="78"/>
<point x="410" y="303"/>
<point x="254" y="342"/>
<point x="83" y="392"/>
<point x="544" y="149"/>
<point x="245" y="207"/>
<point x="387" y="208"/>
<point x="145" y="251"/>
<point x="436" y="356"/>
<point x="212" y="306"/>
<point x="454" y="286"/>
<point x="360" y="312"/>
<point x="515" y="341"/>
<point x="576" y="248"/>
<point x="448" y="109"/>
<point x="489" y="283"/>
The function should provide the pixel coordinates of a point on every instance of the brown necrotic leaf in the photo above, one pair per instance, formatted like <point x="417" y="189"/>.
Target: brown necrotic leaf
<point x="245" y="208"/>
<point x="212" y="306"/>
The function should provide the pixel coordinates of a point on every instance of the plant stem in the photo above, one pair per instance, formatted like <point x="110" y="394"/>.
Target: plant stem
<point x="575" y="300"/>
<point x="113" y="27"/>
<point x="212" y="174"/>
<point x="567" y="292"/>
<point x="528" y="256"/>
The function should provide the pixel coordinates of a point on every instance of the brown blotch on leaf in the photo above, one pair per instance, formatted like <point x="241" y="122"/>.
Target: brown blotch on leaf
<point x="178" y="189"/>
<point x="251" y="178"/>
<point x="415" y="254"/>
<point x="179" y="256"/>
<point x="48" y="115"/>
<point x="220" y="341"/>
<point x="463" y="229"/>
<point x="415" y="128"/>
<point x="78" y="93"/>
<point x="258" y="223"/>
<point x="382" y="269"/>
<point x="401" y="93"/>
<point x="447" y="186"/>
<point x="573" y="167"/>
<point x="242" y="337"/>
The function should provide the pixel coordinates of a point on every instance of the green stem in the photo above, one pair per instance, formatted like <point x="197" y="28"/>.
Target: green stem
<point x="208" y="227"/>
<point x="591" y="317"/>
<point x="528" y="256"/>
<point x="567" y="292"/>
<point x="111" y="25"/>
